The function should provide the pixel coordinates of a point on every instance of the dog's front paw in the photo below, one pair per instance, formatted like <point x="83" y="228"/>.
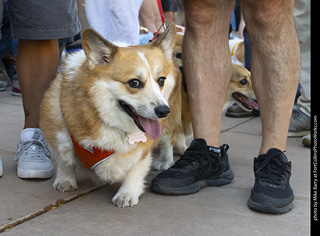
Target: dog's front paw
<point x="65" y="185"/>
<point x="161" y="165"/>
<point x="125" y="200"/>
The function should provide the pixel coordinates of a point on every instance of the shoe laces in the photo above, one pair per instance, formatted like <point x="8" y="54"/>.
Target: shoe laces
<point x="272" y="169"/>
<point x="207" y="160"/>
<point x="188" y="158"/>
<point x="33" y="149"/>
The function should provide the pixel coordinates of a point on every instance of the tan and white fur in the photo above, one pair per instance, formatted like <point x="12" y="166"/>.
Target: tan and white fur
<point x="240" y="89"/>
<point x="95" y="89"/>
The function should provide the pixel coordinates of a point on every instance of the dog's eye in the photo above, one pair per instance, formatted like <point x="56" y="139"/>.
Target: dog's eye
<point x="161" y="81"/>
<point x="135" y="83"/>
<point x="243" y="82"/>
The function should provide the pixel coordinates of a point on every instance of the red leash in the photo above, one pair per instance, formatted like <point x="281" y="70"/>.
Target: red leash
<point x="163" y="20"/>
<point x="161" y="11"/>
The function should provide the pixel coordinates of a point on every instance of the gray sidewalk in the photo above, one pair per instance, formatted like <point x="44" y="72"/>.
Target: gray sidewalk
<point x="32" y="207"/>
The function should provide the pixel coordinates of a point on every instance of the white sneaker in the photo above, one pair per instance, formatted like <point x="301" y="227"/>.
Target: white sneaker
<point x="33" y="155"/>
<point x="1" y="168"/>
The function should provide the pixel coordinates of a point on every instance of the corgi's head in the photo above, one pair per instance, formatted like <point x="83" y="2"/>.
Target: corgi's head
<point x="130" y="86"/>
<point x="240" y="89"/>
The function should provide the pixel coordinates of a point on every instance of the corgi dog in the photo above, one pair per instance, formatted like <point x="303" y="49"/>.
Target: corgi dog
<point x="240" y="89"/>
<point x="107" y="108"/>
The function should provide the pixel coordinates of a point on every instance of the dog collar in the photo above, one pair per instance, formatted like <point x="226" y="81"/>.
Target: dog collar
<point x="89" y="158"/>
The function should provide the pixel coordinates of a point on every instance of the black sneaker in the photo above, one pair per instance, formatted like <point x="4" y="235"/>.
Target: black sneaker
<point x="197" y="168"/>
<point x="271" y="192"/>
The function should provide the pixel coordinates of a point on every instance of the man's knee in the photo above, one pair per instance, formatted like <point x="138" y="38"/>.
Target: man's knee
<point x="268" y="12"/>
<point x="204" y="12"/>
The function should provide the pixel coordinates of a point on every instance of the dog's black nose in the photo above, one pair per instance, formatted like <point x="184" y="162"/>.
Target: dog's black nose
<point x="162" y="111"/>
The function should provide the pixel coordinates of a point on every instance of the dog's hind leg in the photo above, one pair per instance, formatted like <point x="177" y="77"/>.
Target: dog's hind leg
<point x="66" y="165"/>
<point x="133" y="185"/>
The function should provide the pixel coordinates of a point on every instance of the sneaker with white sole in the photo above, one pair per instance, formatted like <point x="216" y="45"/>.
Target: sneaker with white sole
<point x="33" y="155"/>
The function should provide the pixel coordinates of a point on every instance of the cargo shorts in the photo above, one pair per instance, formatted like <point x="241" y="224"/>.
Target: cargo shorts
<point x="43" y="19"/>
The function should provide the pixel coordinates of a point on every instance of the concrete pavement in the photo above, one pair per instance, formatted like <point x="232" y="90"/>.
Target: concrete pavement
<point x="32" y="207"/>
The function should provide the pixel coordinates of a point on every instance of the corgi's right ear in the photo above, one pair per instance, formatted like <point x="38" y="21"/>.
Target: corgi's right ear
<point x="167" y="41"/>
<point x="97" y="49"/>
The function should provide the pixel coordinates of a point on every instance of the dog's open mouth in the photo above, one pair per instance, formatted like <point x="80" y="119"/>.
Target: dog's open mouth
<point x="245" y="101"/>
<point x="151" y="127"/>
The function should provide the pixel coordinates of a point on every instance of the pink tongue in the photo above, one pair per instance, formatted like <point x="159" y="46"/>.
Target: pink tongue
<point x="250" y="103"/>
<point x="152" y="127"/>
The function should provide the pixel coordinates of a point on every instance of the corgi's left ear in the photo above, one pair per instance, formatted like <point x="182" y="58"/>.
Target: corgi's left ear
<point x="167" y="41"/>
<point x="97" y="49"/>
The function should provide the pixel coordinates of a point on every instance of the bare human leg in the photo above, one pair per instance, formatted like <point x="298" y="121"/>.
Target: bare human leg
<point x="207" y="67"/>
<point x="207" y="64"/>
<point x="275" y="76"/>
<point x="37" y="64"/>
<point x="275" y="65"/>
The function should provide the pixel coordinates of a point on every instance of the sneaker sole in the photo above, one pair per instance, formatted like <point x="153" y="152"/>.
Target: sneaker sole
<point x="34" y="174"/>
<point x="269" y="208"/>
<point x="16" y="94"/>
<point x="224" y="179"/>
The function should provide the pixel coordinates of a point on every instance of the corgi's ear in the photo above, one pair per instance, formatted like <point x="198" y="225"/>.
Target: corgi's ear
<point x="167" y="41"/>
<point x="97" y="49"/>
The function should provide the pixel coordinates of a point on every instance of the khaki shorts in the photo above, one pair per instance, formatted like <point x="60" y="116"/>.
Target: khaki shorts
<point x="43" y="19"/>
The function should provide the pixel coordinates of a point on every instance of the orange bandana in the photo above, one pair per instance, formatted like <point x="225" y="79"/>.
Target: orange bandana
<point x="89" y="158"/>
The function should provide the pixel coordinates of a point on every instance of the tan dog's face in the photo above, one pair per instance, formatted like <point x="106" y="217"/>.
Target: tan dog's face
<point x="240" y="89"/>
<point x="130" y="86"/>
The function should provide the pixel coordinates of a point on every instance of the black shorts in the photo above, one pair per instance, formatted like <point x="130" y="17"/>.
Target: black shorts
<point x="167" y="5"/>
